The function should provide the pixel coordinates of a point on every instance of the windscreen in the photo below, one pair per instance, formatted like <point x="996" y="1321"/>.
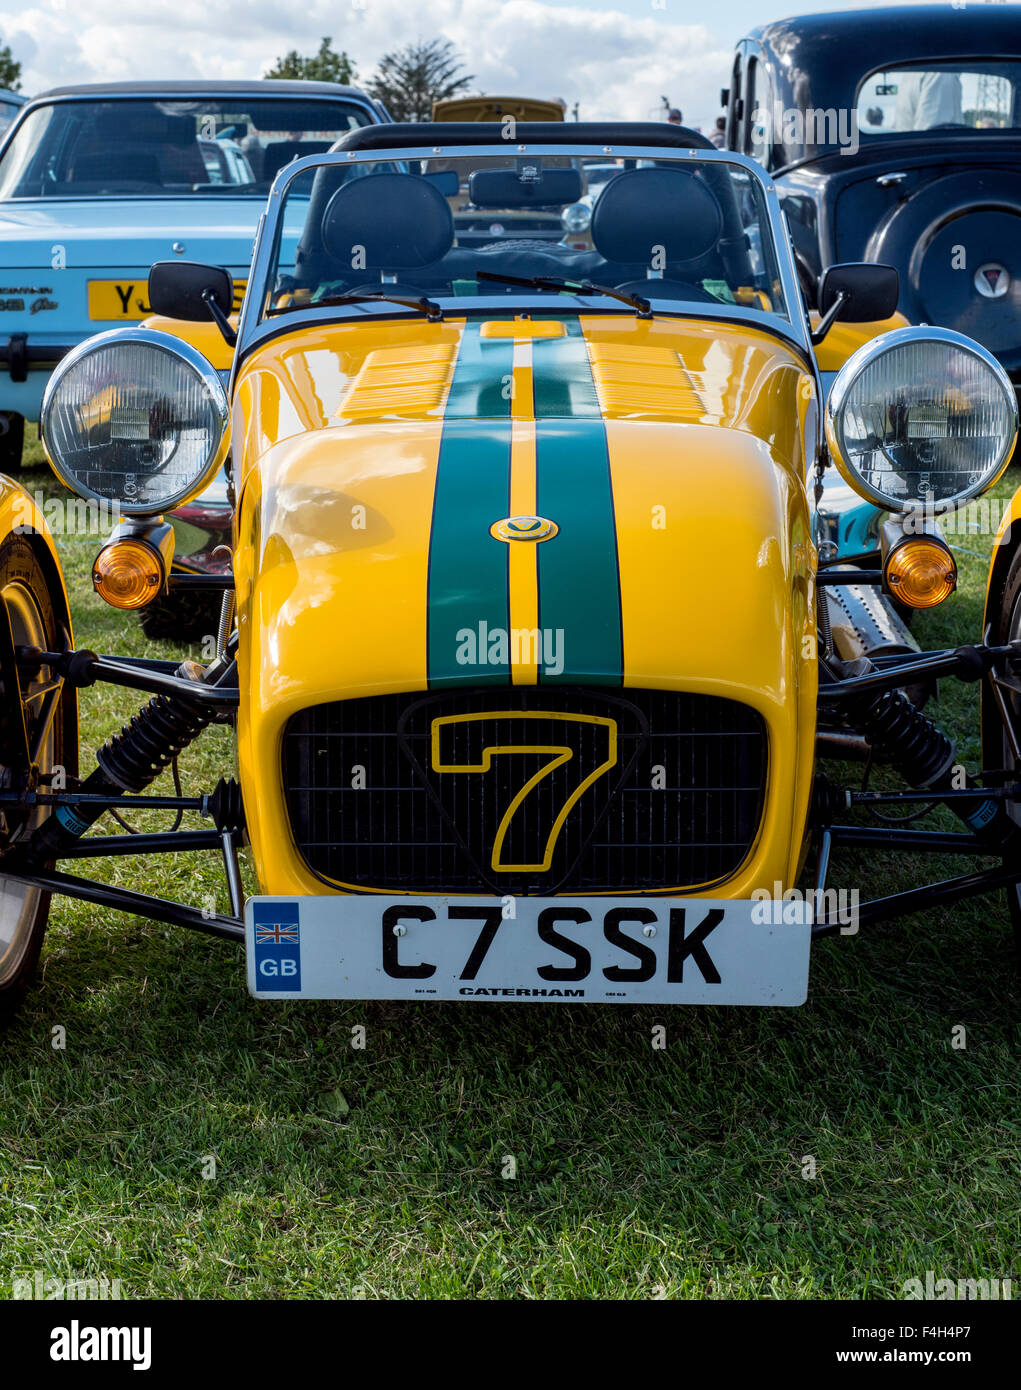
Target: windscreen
<point x="145" y="148"/>
<point x="677" y="231"/>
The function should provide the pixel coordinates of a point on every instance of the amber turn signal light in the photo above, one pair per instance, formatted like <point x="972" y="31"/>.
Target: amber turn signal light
<point x="920" y="572"/>
<point x="128" y="574"/>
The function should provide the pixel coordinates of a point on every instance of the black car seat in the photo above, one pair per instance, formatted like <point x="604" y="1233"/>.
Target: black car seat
<point x="387" y="226"/>
<point x="661" y="218"/>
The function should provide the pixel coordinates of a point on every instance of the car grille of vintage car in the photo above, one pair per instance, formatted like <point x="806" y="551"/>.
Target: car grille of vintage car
<point x="416" y="793"/>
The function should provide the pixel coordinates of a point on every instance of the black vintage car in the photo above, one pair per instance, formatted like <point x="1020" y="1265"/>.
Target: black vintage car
<point x="894" y="135"/>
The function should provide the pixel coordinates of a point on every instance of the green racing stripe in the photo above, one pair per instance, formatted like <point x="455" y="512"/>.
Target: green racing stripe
<point x="468" y="585"/>
<point x="579" y="582"/>
<point x="579" y="588"/>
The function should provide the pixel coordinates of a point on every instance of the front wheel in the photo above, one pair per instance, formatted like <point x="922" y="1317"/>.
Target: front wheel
<point x="25" y="595"/>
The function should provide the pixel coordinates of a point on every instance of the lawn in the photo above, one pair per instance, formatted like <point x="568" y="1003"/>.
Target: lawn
<point x="508" y="1151"/>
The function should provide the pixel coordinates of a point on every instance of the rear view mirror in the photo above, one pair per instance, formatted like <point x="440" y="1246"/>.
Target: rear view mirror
<point x="527" y="187"/>
<point x="193" y="292"/>
<point x="871" y="291"/>
<point x="858" y="292"/>
<point x="176" y="290"/>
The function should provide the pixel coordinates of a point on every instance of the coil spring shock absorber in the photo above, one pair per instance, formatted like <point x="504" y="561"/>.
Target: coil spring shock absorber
<point x="924" y="756"/>
<point x="131" y="759"/>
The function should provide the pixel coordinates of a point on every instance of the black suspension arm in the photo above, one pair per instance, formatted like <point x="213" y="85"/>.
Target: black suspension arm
<point x="127" y="900"/>
<point x="967" y="663"/>
<point x="83" y="668"/>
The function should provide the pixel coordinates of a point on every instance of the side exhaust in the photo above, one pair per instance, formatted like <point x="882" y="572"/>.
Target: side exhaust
<point x="864" y="622"/>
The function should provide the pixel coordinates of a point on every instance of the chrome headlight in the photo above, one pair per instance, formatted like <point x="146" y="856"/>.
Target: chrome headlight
<point x="576" y="218"/>
<point x="921" y="418"/>
<point x="135" y="417"/>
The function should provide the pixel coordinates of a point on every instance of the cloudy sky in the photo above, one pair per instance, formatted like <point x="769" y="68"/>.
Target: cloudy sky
<point x="616" y="58"/>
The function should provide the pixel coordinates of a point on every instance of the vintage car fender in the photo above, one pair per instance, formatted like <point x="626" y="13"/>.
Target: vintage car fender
<point x="19" y="512"/>
<point x="1005" y="546"/>
<point x="354" y="542"/>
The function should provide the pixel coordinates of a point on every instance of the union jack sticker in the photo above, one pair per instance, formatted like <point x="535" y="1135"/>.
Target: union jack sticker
<point x="278" y="932"/>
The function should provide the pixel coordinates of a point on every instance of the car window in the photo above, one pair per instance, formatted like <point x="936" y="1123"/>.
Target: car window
<point x="965" y="94"/>
<point x="129" y="147"/>
<point x="689" y="231"/>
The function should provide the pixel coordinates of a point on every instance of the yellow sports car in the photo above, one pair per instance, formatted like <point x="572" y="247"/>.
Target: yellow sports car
<point x="538" y="617"/>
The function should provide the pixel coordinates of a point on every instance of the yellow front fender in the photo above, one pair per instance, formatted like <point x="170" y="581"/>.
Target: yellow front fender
<point x="21" y="512"/>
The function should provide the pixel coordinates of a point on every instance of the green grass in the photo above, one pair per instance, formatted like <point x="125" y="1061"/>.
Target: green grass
<point x="378" y="1173"/>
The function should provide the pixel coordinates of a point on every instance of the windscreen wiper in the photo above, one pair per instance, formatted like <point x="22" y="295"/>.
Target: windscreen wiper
<point x="429" y="307"/>
<point x="553" y="282"/>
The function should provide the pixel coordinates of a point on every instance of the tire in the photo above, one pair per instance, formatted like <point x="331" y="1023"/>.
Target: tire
<point x="26" y="594"/>
<point x="1009" y="630"/>
<point x="182" y="617"/>
<point x="12" y="441"/>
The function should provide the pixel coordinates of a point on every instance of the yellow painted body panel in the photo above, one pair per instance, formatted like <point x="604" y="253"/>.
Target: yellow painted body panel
<point x="19" y="509"/>
<point x="1005" y="544"/>
<point x="204" y="337"/>
<point x="843" y="339"/>
<point x="710" y="430"/>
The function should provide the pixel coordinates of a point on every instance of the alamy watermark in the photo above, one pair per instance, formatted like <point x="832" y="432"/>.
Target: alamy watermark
<point x="783" y="906"/>
<point x="36" y="1284"/>
<point x="932" y="1287"/>
<point x="66" y="515"/>
<point x="811" y="125"/>
<point x="519" y="646"/>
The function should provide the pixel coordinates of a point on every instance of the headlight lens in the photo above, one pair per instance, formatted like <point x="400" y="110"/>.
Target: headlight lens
<point x="576" y="218"/>
<point x="921" y="418"/>
<point x="135" y="417"/>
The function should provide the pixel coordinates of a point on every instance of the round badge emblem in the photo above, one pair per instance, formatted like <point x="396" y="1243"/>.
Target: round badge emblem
<point x="992" y="280"/>
<point x="523" y="528"/>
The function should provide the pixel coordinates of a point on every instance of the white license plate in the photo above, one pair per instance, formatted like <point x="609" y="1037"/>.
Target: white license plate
<point x="529" y="950"/>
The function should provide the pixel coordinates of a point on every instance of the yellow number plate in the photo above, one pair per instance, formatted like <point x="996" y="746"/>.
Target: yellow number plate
<point x="118" y="300"/>
<point x="123" y="301"/>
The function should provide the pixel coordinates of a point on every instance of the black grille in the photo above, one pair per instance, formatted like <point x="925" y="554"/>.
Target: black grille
<point x="375" y="801"/>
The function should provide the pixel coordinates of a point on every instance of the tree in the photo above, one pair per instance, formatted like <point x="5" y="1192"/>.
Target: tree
<point x="410" y="79"/>
<point x="325" y="66"/>
<point x="10" y="70"/>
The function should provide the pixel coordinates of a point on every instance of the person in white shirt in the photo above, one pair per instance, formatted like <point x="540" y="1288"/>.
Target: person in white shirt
<point x="927" y="99"/>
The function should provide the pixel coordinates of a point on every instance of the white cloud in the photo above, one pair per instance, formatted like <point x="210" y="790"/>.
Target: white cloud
<point x="616" y="65"/>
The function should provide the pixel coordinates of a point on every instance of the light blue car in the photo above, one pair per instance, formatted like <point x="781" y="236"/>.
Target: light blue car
<point x="98" y="182"/>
